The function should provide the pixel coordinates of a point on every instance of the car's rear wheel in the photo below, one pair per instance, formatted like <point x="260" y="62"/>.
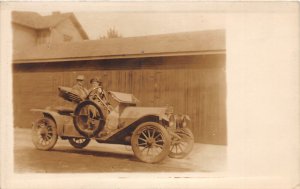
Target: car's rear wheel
<point x="182" y="146"/>
<point x="79" y="142"/>
<point x="44" y="134"/>
<point x="150" y="142"/>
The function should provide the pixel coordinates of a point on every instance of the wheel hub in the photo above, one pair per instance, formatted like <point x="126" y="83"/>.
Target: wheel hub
<point x="175" y="141"/>
<point x="43" y="130"/>
<point x="150" y="142"/>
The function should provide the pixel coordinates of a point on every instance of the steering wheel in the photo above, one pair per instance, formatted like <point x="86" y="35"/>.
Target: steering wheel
<point x="94" y="93"/>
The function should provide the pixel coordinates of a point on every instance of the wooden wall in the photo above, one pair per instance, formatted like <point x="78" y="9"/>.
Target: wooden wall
<point x="194" y="85"/>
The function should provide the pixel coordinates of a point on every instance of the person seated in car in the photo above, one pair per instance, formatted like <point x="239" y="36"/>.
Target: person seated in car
<point x="96" y="83"/>
<point x="79" y="88"/>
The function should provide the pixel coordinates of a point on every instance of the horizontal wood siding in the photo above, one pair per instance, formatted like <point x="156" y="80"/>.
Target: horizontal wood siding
<point x="194" y="85"/>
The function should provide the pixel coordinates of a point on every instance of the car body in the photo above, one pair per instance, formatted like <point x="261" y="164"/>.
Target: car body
<point x="118" y="120"/>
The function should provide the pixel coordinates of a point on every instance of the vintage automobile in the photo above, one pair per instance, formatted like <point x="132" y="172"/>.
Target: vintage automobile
<point x="153" y="132"/>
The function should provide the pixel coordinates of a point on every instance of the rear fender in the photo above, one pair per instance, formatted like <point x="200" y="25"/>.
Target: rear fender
<point x="57" y="118"/>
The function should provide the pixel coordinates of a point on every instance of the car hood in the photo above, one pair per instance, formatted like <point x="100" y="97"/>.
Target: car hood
<point x="138" y="112"/>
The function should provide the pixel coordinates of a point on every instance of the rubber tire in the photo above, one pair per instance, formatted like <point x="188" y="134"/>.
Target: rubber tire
<point x="35" y="136"/>
<point x="79" y="145"/>
<point x="166" y="138"/>
<point x="75" y="121"/>
<point x="185" y="132"/>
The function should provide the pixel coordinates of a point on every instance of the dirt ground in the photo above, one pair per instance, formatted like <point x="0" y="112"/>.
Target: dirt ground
<point x="107" y="158"/>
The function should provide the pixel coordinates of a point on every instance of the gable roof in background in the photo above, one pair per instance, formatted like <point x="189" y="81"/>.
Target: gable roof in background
<point x="187" y="43"/>
<point x="38" y="22"/>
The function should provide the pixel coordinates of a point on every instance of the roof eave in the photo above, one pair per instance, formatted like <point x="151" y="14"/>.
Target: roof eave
<point x="120" y="56"/>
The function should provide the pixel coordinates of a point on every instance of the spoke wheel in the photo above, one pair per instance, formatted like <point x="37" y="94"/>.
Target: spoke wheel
<point x="44" y="134"/>
<point x="180" y="148"/>
<point x="150" y="142"/>
<point x="79" y="142"/>
<point x="88" y="119"/>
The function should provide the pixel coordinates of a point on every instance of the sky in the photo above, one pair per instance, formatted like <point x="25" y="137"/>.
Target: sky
<point x="135" y="18"/>
<point x="140" y="24"/>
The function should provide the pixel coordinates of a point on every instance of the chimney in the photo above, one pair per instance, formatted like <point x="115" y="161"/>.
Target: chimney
<point x="55" y="13"/>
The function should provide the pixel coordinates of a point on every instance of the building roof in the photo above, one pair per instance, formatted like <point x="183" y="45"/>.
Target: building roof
<point x="36" y="21"/>
<point x="199" y="42"/>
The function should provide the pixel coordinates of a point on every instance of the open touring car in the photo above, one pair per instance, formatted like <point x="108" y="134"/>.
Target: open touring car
<point x="153" y="132"/>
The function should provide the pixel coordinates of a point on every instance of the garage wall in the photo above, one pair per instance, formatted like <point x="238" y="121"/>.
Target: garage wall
<point x="194" y="85"/>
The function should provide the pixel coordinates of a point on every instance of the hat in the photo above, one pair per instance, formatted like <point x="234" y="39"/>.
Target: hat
<point x="95" y="80"/>
<point x="80" y="77"/>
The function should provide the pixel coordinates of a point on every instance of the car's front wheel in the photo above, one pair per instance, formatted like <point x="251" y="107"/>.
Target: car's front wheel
<point x="182" y="146"/>
<point x="79" y="142"/>
<point x="150" y="142"/>
<point x="44" y="134"/>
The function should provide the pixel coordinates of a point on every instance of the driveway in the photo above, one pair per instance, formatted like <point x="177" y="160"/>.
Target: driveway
<point x="108" y="158"/>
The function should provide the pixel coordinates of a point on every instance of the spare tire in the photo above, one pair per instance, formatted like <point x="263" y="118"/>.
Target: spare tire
<point x="88" y="119"/>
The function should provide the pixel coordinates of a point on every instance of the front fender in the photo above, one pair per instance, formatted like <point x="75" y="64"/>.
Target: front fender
<point x="59" y="121"/>
<point x="164" y="117"/>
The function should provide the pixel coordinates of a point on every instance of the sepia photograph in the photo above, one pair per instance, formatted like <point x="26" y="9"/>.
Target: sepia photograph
<point x="141" y="90"/>
<point x="123" y="96"/>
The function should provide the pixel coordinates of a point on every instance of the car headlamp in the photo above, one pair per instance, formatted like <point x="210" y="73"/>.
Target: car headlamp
<point x="172" y="121"/>
<point x="184" y="123"/>
<point x="185" y="119"/>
